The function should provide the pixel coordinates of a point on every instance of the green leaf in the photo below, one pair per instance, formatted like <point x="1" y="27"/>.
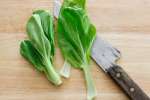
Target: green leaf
<point x="75" y="38"/>
<point x="31" y="54"/>
<point x="79" y="3"/>
<point x="47" y="25"/>
<point x="75" y="35"/>
<point x="37" y="36"/>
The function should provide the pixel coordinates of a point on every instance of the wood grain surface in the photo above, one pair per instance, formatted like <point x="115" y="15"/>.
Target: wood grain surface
<point x="124" y="23"/>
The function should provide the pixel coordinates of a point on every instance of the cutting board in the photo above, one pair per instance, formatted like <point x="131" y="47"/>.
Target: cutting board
<point x="124" y="23"/>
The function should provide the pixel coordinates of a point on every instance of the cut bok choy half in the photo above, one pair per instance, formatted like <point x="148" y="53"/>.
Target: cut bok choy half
<point x="75" y="38"/>
<point x="39" y="49"/>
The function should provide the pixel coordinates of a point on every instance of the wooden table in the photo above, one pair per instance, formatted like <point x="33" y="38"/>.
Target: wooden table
<point x="124" y="23"/>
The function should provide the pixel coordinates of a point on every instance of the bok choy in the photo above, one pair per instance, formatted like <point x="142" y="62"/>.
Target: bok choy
<point x="75" y="37"/>
<point x="39" y="49"/>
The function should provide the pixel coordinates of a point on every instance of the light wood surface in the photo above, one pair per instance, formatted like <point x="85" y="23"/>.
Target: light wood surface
<point x="124" y="23"/>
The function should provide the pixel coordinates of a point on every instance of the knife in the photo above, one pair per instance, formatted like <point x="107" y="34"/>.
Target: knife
<point x="105" y="56"/>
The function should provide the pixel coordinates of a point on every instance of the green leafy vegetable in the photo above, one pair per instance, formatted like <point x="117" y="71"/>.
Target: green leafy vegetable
<point x="31" y="54"/>
<point x="39" y="49"/>
<point x="75" y="37"/>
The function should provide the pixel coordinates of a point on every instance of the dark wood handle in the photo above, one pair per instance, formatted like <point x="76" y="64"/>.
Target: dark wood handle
<point x="127" y="84"/>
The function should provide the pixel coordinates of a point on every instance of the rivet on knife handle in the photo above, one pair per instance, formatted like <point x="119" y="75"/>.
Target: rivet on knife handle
<point x="126" y="83"/>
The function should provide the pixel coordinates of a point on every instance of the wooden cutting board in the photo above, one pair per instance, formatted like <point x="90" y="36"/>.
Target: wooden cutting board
<point x="124" y="23"/>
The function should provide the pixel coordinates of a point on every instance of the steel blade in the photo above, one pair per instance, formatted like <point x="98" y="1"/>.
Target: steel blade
<point x="104" y="54"/>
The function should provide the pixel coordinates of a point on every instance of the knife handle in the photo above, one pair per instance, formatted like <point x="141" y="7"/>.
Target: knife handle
<point x="127" y="84"/>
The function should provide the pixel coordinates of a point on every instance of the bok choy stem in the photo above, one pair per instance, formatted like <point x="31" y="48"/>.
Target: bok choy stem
<point x="91" y="91"/>
<point x="65" y="70"/>
<point x="51" y="74"/>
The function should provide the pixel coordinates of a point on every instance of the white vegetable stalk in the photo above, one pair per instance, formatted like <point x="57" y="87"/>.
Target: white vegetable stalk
<point x="65" y="71"/>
